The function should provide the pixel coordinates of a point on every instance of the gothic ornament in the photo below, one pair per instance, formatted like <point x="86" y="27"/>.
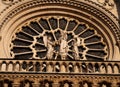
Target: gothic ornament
<point x="58" y="38"/>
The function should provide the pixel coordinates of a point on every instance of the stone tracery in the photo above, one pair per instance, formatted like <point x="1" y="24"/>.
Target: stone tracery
<point x="47" y="38"/>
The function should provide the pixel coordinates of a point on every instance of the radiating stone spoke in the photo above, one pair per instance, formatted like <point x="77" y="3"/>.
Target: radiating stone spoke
<point x="94" y="56"/>
<point x="40" y="26"/>
<point x="40" y="43"/>
<point x="70" y="40"/>
<point x="49" y="25"/>
<point x="89" y="36"/>
<point x="82" y="32"/>
<point x="23" y="53"/>
<point x="70" y="56"/>
<point x="41" y="50"/>
<point x="20" y="46"/>
<point x="34" y="29"/>
<point x="54" y="37"/>
<point x="23" y="40"/>
<point x="66" y="26"/>
<point x="75" y="27"/>
<point x="96" y="49"/>
<point x="27" y="34"/>
<point x="93" y="43"/>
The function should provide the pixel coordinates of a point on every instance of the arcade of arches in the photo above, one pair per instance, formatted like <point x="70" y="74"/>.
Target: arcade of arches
<point x="59" y="43"/>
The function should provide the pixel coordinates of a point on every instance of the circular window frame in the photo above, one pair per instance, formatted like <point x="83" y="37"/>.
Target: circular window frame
<point x="36" y="10"/>
<point x="77" y="41"/>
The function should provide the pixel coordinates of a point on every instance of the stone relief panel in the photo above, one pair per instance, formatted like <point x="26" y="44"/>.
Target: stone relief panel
<point x="58" y="38"/>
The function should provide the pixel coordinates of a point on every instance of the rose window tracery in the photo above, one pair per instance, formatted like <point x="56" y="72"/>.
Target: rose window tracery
<point x="58" y="38"/>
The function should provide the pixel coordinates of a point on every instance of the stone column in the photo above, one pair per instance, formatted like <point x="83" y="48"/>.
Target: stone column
<point x="16" y="83"/>
<point x="55" y="84"/>
<point x="76" y="84"/>
<point x="36" y="82"/>
<point x="95" y="82"/>
<point x="114" y="84"/>
<point x="95" y="85"/>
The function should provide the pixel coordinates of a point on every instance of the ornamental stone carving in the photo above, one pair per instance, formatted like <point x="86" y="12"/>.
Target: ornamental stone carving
<point x="58" y="38"/>
<point x="109" y="4"/>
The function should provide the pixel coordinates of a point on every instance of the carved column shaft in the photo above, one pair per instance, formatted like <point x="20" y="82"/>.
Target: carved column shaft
<point x="114" y="84"/>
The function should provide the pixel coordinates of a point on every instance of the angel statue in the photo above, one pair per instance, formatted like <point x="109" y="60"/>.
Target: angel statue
<point x="63" y="45"/>
<point x="75" y="49"/>
<point x="76" y="43"/>
<point x="49" y="44"/>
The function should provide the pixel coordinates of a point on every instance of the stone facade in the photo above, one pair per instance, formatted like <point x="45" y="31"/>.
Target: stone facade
<point x="59" y="43"/>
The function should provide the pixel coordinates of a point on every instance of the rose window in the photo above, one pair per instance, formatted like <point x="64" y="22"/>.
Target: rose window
<point x="58" y="38"/>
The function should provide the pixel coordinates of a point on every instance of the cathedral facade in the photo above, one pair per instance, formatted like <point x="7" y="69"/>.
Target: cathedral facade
<point x="59" y="43"/>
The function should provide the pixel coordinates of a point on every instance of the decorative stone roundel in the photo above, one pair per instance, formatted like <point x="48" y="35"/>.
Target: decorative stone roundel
<point x="58" y="38"/>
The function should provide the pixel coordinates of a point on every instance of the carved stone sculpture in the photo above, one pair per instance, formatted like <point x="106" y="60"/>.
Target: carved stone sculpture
<point x="50" y="48"/>
<point x="63" y="45"/>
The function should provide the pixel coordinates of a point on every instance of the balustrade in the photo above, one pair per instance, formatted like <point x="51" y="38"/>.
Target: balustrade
<point x="81" y="67"/>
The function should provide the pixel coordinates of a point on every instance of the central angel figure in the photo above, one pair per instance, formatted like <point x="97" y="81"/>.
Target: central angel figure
<point x="60" y="46"/>
<point x="63" y="45"/>
<point x="50" y="44"/>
